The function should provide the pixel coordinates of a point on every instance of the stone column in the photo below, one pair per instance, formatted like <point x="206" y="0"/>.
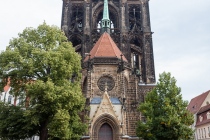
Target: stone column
<point x="148" y="74"/>
<point x="145" y="16"/>
<point x="123" y="16"/>
<point x="64" y="22"/>
<point x="87" y="18"/>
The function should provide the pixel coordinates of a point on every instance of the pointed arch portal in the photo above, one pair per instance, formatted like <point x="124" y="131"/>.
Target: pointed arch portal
<point x="105" y="132"/>
<point x="106" y="124"/>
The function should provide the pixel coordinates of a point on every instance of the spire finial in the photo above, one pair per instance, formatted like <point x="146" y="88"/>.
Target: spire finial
<point x="105" y="22"/>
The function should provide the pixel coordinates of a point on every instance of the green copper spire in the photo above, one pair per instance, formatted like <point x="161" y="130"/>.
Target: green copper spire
<point x="105" y="23"/>
<point x="106" y="10"/>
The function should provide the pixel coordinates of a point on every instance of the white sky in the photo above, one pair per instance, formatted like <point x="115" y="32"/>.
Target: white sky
<point x="181" y="39"/>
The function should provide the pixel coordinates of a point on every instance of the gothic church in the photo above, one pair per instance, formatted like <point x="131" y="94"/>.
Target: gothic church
<point x="114" y="39"/>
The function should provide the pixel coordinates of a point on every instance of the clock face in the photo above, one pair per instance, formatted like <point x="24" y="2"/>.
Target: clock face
<point x="106" y="80"/>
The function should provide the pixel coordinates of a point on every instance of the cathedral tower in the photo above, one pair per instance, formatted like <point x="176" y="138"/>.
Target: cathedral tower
<point x="114" y="39"/>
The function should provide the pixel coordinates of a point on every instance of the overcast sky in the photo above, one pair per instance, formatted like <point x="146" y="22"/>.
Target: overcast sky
<point x="181" y="39"/>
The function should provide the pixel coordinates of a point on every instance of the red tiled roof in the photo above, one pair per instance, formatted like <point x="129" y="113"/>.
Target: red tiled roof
<point x="203" y="113"/>
<point x="105" y="47"/>
<point x="196" y="102"/>
<point x="204" y="108"/>
<point x="6" y="88"/>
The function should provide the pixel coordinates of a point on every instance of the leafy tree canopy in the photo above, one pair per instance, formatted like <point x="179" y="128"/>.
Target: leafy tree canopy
<point x="165" y="112"/>
<point x="13" y="124"/>
<point x="44" y="68"/>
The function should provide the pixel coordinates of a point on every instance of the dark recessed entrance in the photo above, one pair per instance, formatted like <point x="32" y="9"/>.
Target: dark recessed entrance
<point x="105" y="132"/>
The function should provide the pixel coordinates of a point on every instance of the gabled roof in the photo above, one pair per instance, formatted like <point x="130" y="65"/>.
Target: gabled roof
<point x="105" y="48"/>
<point x="106" y="108"/>
<point x="195" y="103"/>
<point x="204" y="108"/>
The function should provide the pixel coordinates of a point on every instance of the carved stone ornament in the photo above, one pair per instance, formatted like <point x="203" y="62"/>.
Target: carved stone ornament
<point x="106" y="80"/>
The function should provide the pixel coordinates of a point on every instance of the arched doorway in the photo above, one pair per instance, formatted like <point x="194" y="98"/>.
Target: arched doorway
<point x="105" y="132"/>
<point x="108" y="121"/>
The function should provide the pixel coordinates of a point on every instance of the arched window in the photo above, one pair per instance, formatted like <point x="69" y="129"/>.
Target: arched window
<point x="136" y="55"/>
<point x="134" y="17"/>
<point x="105" y="132"/>
<point x="113" y="17"/>
<point x="76" y="42"/>
<point x="112" y="26"/>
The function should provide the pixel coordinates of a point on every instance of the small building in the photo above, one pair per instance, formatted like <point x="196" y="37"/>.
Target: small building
<point x="203" y="123"/>
<point x="7" y="97"/>
<point x="198" y="107"/>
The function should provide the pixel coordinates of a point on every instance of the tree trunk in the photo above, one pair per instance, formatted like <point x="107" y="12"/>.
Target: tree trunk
<point x="44" y="131"/>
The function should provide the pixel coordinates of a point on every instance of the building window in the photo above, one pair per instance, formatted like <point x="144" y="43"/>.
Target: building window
<point x="9" y="99"/>
<point x="20" y="101"/>
<point x="199" y="134"/>
<point x="208" y="131"/>
<point x="204" y="130"/>
<point x="200" y="118"/>
<point x="208" y="115"/>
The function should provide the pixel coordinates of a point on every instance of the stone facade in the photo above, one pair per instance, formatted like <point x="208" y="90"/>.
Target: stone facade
<point x="111" y="84"/>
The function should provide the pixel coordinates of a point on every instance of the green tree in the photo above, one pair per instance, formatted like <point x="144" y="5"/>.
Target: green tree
<point x="165" y="112"/>
<point x="44" y="68"/>
<point x="13" y="124"/>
